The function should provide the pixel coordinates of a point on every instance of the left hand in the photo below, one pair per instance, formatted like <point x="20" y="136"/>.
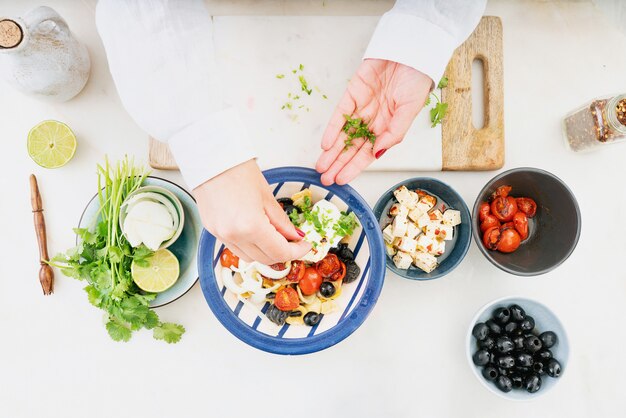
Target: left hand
<point x="388" y="96"/>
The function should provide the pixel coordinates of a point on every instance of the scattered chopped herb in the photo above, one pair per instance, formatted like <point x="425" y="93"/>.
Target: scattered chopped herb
<point x="356" y="128"/>
<point x="346" y="224"/>
<point x="304" y="86"/>
<point x="294" y="71"/>
<point x="438" y="112"/>
<point x="324" y="96"/>
<point x="301" y="67"/>
<point x="280" y="76"/>
<point x="295" y="218"/>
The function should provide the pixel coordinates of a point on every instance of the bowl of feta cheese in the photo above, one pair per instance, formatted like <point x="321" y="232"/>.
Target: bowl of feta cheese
<point x="426" y="228"/>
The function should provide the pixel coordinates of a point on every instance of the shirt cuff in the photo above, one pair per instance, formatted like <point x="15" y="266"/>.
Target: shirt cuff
<point x="211" y="146"/>
<point x="412" y="41"/>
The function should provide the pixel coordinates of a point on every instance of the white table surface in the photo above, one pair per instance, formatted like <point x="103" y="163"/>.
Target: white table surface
<point x="407" y="360"/>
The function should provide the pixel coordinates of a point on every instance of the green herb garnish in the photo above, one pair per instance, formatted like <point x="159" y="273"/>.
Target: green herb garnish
<point x="304" y="86"/>
<point x="103" y="259"/>
<point x="280" y="76"/>
<point x="346" y="224"/>
<point x="295" y="218"/>
<point x="438" y="112"/>
<point x="356" y="128"/>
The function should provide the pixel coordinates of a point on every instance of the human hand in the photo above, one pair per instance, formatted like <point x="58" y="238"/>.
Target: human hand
<point x="238" y="208"/>
<point x="387" y="96"/>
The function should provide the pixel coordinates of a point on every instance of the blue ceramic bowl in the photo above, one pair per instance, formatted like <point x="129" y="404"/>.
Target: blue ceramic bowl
<point x="355" y="302"/>
<point x="456" y="249"/>
<point x="545" y="320"/>
<point x="184" y="248"/>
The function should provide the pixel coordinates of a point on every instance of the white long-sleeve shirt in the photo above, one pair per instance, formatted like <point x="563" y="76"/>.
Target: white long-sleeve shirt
<point x="161" y="57"/>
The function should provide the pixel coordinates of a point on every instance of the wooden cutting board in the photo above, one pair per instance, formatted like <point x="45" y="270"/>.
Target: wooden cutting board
<point x="463" y="147"/>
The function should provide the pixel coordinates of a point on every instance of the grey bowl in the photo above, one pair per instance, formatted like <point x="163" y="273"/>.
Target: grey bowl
<point x="545" y="320"/>
<point x="553" y="232"/>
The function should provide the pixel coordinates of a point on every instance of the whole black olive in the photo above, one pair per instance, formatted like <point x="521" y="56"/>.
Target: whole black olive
<point x="488" y="343"/>
<point x="527" y="324"/>
<point x="548" y="339"/>
<point x="518" y="342"/>
<point x="543" y="354"/>
<point x="517" y="380"/>
<point x="481" y="357"/>
<point x="284" y="201"/>
<point x="503" y="371"/>
<point x="521" y="370"/>
<point x="538" y="367"/>
<point x="312" y="318"/>
<point x="506" y="362"/>
<point x="494" y="327"/>
<point x="290" y="208"/>
<point x="532" y="343"/>
<point x="352" y="272"/>
<point x="524" y="360"/>
<point x="504" y="345"/>
<point x="327" y="289"/>
<point x="510" y="328"/>
<point x="502" y="315"/>
<point x="553" y="368"/>
<point x="532" y="383"/>
<point x="504" y="383"/>
<point x="490" y="373"/>
<point x="344" y="253"/>
<point x="276" y="315"/>
<point x="480" y="331"/>
<point x="517" y="313"/>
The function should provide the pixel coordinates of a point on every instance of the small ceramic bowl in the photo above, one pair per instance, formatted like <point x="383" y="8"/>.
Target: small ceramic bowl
<point x="553" y="231"/>
<point x="456" y="249"/>
<point x="172" y="198"/>
<point x="545" y="320"/>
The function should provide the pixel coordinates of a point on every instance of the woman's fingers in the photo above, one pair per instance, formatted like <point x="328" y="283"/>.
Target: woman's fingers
<point x="328" y="157"/>
<point x="356" y="165"/>
<point x="399" y="124"/>
<point x="276" y="248"/>
<point x="331" y="135"/>
<point x="344" y="157"/>
<point x="279" y="219"/>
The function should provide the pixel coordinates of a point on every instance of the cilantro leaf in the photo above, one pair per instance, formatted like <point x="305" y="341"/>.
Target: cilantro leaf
<point x="346" y="224"/>
<point x="356" y="128"/>
<point x="443" y="83"/>
<point x="117" y="331"/>
<point x="168" y="332"/>
<point x="437" y="113"/>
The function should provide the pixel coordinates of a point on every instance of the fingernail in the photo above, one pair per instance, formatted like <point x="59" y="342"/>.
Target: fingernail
<point x="300" y="232"/>
<point x="380" y="153"/>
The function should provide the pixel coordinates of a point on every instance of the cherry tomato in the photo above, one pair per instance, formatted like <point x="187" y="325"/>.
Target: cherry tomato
<point x="328" y="265"/>
<point x="527" y="205"/>
<point x="228" y="259"/>
<point x="491" y="238"/>
<point x="287" y="299"/>
<point x="502" y="191"/>
<point x="489" y="222"/>
<point x="504" y="208"/>
<point x="297" y="271"/>
<point x="339" y="274"/>
<point x="277" y="266"/>
<point x="509" y="240"/>
<point x="520" y="221"/>
<point x="483" y="211"/>
<point x="311" y="281"/>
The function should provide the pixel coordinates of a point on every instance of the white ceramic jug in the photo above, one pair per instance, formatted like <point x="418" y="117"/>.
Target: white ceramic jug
<point x="40" y="56"/>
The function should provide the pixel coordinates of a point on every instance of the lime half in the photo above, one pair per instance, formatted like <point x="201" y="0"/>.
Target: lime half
<point x="159" y="275"/>
<point x="51" y="144"/>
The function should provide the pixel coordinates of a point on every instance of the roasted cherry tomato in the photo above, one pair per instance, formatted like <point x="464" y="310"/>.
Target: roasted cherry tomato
<point x="228" y="259"/>
<point x="277" y="266"/>
<point x="483" y="210"/>
<point x="328" y="265"/>
<point x="311" y="281"/>
<point x="339" y="274"/>
<point x="287" y="299"/>
<point x="491" y="238"/>
<point x="504" y="208"/>
<point x="520" y="221"/>
<point x="527" y="205"/>
<point x="297" y="271"/>
<point x="489" y="222"/>
<point x="509" y="240"/>
<point x="502" y="191"/>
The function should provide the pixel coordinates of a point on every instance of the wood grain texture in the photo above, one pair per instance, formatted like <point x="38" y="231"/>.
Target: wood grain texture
<point x="463" y="146"/>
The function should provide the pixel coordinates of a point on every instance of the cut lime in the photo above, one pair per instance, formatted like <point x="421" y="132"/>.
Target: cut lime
<point x="159" y="275"/>
<point x="51" y="144"/>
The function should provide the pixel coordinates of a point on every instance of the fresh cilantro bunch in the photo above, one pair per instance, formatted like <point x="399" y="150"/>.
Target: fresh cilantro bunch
<point x="438" y="112"/>
<point x="103" y="260"/>
<point x="356" y="128"/>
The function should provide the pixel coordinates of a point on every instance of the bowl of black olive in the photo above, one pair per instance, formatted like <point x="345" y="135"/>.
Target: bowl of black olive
<point x="517" y="348"/>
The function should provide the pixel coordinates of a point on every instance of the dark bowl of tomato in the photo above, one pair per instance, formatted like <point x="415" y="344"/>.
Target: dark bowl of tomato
<point x="526" y="221"/>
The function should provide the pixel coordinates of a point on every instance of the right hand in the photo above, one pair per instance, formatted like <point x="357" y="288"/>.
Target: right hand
<point x="239" y="209"/>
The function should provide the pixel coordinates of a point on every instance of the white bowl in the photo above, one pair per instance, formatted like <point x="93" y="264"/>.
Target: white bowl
<point x="545" y="320"/>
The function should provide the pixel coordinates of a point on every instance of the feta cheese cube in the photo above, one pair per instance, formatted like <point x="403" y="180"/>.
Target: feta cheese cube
<point x="420" y="209"/>
<point x="437" y="248"/>
<point x="391" y="251"/>
<point x="423" y="221"/>
<point x="429" y="201"/>
<point x="448" y="232"/>
<point x="405" y="197"/>
<point x="452" y="217"/>
<point x="396" y="242"/>
<point x="402" y="260"/>
<point x="397" y="209"/>
<point x="424" y="243"/>
<point x="407" y="245"/>
<point x="399" y="226"/>
<point x="413" y="230"/>
<point x="436" y="215"/>
<point x="438" y="231"/>
<point x="388" y="234"/>
<point x="424" y="261"/>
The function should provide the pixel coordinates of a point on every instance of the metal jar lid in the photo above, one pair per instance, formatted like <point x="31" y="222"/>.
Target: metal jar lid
<point x="11" y="34"/>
